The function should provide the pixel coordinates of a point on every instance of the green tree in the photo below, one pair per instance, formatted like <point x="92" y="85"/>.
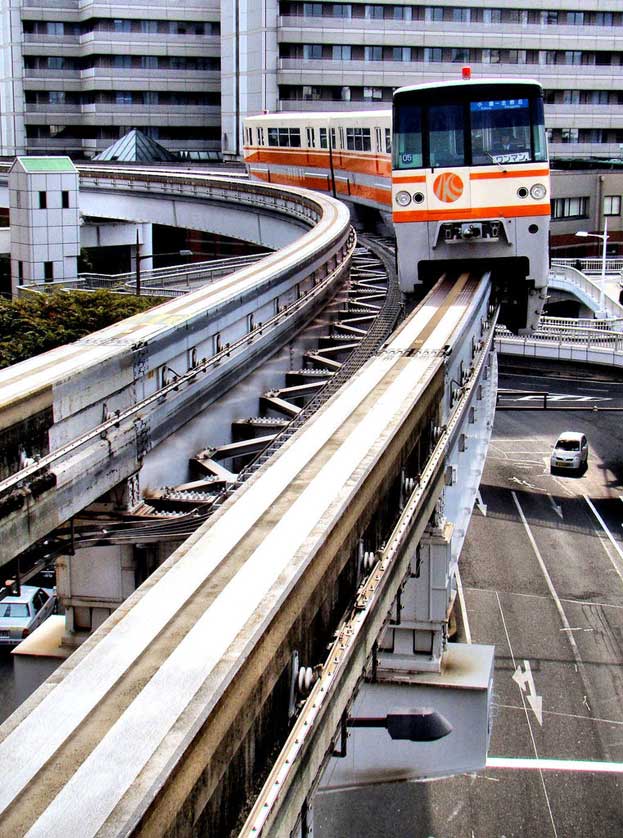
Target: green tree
<point x="32" y="325"/>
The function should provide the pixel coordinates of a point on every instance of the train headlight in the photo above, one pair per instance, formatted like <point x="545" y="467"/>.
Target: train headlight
<point x="403" y="199"/>
<point x="538" y="191"/>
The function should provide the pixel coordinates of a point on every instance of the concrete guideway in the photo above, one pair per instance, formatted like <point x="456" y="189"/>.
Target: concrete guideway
<point x="156" y="357"/>
<point x="181" y="677"/>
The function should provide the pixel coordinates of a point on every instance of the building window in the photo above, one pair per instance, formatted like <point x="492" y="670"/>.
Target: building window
<point x="461" y="15"/>
<point x="569" y="208"/>
<point x="65" y="199"/>
<point x="20" y="272"/>
<point x="340" y="52"/>
<point x="432" y="54"/>
<point x="570" y="135"/>
<point x="401" y="53"/>
<point x="123" y="98"/>
<point x="492" y="16"/>
<point x="435" y="13"/>
<point x="373" y="53"/>
<point x="48" y="271"/>
<point x="122" y="25"/>
<point x="372" y="93"/>
<point x="612" y="205"/>
<point x="312" y="51"/>
<point x="575" y="18"/>
<point x="549" y="18"/>
<point x="573" y="57"/>
<point x="342" y="10"/>
<point x="43" y="200"/>
<point x="312" y="9"/>
<point x="311" y="92"/>
<point x="374" y="12"/>
<point x="459" y="55"/>
<point x="401" y="12"/>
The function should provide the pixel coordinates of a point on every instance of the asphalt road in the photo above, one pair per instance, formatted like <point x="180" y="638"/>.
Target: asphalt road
<point x="543" y="581"/>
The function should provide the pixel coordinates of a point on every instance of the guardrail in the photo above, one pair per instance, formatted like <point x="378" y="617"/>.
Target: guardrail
<point x="590" y="266"/>
<point x="565" y="343"/>
<point x="189" y="276"/>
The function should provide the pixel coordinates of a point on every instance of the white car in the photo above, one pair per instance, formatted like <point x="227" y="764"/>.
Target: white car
<point x="570" y="452"/>
<point x="20" y="615"/>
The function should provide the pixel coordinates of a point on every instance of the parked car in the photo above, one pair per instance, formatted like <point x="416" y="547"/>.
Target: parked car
<point x="570" y="452"/>
<point x="20" y="615"/>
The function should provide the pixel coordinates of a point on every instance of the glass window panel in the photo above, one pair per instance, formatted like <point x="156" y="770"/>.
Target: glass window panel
<point x="445" y="135"/>
<point x="407" y="137"/>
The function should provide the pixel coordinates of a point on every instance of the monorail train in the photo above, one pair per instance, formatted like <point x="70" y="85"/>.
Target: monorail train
<point x="462" y="166"/>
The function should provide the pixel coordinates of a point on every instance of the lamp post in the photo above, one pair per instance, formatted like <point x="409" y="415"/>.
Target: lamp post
<point x="151" y="256"/>
<point x="604" y="237"/>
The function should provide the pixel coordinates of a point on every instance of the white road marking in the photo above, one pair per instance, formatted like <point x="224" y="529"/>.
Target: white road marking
<point x="463" y="606"/>
<point x="525" y="681"/>
<point x="609" y="536"/>
<point x="585" y="765"/>
<point x="557" y="509"/>
<point x="552" y="590"/>
<point x="555" y="397"/>
<point x="526" y="484"/>
<point x="534" y="748"/>
<point x="479" y="503"/>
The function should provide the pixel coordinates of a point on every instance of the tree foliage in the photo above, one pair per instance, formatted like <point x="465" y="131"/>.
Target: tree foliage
<point x="40" y="322"/>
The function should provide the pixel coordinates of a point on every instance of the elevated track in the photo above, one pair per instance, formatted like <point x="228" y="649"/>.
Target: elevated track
<point x="167" y="719"/>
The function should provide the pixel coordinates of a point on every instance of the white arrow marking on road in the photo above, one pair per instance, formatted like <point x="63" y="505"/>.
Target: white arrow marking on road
<point x="526" y="681"/>
<point x="557" y="509"/>
<point x="478" y="502"/>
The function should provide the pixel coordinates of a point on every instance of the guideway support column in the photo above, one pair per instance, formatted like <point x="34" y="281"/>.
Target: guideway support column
<point x="416" y="637"/>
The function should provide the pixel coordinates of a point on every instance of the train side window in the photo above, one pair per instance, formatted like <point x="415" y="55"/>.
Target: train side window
<point x="358" y="139"/>
<point x="260" y="136"/>
<point x="310" y="138"/>
<point x="273" y="136"/>
<point x="388" y="140"/>
<point x="378" y="139"/>
<point x="446" y="134"/>
<point x="324" y="140"/>
<point x="333" y="138"/>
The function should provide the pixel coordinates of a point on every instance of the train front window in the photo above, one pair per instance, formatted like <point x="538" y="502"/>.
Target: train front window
<point x="500" y="131"/>
<point x="445" y="135"/>
<point x="407" y="139"/>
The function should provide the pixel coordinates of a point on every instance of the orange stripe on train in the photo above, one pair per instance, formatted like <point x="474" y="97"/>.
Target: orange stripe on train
<point x="401" y="216"/>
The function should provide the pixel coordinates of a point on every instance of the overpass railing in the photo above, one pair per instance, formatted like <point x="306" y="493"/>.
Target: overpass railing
<point x="590" y="266"/>
<point x="558" y="340"/>
<point x="569" y="278"/>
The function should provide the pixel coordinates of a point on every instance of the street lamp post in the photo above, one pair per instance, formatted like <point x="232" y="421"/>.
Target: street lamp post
<point x="604" y="237"/>
<point x="151" y="256"/>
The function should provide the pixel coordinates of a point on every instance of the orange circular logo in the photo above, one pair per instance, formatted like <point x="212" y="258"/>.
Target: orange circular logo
<point x="448" y="187"/>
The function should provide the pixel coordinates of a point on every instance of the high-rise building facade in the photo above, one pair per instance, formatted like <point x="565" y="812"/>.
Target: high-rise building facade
<point x="77" y="74"/>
